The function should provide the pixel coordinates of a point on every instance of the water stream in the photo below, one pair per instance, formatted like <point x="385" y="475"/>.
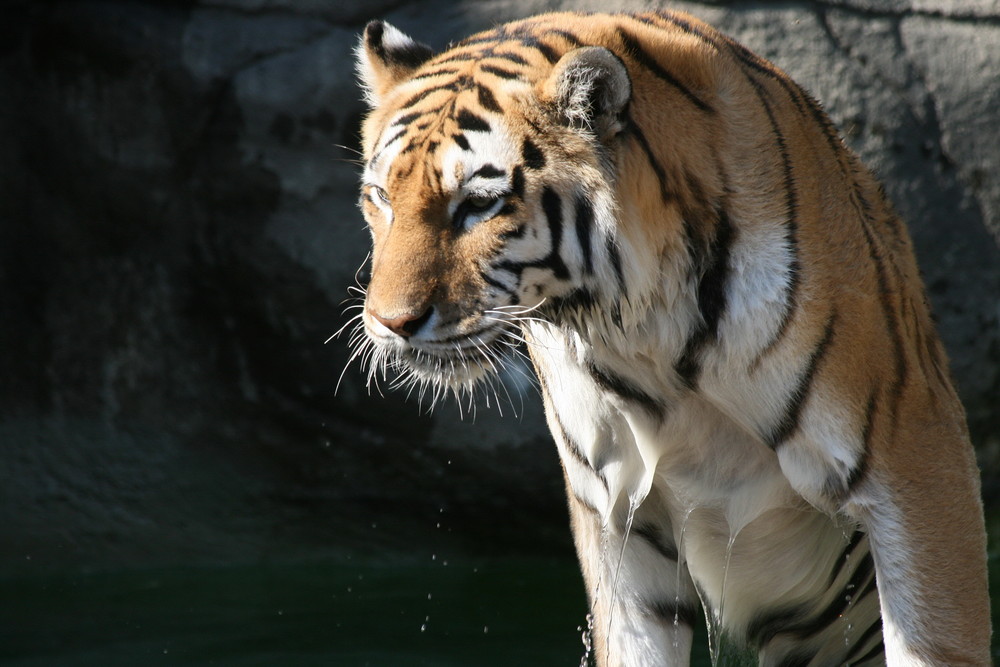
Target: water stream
<point x="633" y="504"/>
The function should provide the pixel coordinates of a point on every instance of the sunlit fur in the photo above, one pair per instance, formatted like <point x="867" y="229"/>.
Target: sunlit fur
<point x="725" y="317"/>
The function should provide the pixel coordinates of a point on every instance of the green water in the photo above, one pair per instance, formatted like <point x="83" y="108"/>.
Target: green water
<point x="483" y="612"/>
<point x="507" y="611"/>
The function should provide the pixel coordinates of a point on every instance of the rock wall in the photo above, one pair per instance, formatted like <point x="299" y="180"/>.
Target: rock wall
<point x="178" y="231"/>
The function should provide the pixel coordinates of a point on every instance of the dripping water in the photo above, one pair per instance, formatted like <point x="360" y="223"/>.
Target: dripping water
<point x="681" y="560"/>
<point x="850" y="596"/>
<point x="588" y="633"/>
<point x="633" y="504"/>
<point x="713" y="649"/>
<point x="587" y="638"/>
<point x="715" y="629"/>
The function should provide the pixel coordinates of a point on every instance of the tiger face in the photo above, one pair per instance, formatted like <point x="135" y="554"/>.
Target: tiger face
<point x="480" y="216"/>
<point x="725" y="318"/>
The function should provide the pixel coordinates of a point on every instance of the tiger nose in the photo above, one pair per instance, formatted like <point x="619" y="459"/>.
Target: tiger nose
<point x="404" y="325"/>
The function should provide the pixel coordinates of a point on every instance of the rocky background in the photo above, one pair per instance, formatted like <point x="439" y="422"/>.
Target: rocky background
<point x="178" y="231"/>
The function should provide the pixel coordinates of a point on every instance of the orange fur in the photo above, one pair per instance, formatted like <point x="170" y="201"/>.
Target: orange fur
<point x="717" y="159"/>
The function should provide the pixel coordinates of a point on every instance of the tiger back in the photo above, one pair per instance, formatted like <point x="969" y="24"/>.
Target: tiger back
<point x="739" y="368"/>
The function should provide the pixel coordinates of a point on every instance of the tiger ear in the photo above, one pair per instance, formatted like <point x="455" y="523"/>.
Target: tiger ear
<point x="590" y="88"/>
<point x="386" y="57"/>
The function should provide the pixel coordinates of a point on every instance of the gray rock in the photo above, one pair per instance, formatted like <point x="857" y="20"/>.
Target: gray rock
<point x="178" y="230"/>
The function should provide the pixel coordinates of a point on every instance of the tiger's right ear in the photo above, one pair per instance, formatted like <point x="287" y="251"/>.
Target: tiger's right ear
<point x="386" y="57"/>
<point x="590" y="88"/>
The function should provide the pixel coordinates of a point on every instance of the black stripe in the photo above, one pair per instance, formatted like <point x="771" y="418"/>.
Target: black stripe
<point x="443" y="71"/>
<point x="766" y="625"/>
<point x="870" y="587"/>
<point x="394" y="138"/>
<point x="568" y="36"/>
<point x="804" y="102"/>
<point x="654" y="536"/>
<point x="460" y="83"/>
<point x="509" y="57"/>
<point x="507" y="209"/>
<point x="517" y="183"/>
<point x="459" y="57"/>
<point x="544" y="49"/>
<point x="492" y="282"/>
<point x="845" y="556"/>
<point x="885" y="297"/>
<point x="406" y="119"/>
<point x="635" y="131"/>
<point x="552" y="206"/>
<point x="614" y="256"/>
<point x="584" y="229"/>
<point x="532" y="155"/>
<point x="792" y="226"/>
<point x="488" y="171"/>
<point x="500" y="72"/>
<point x="462" y="142"/>
<point x="789" y="422"/>
<point x="711" y="301"/>
<point x="878" y="649"/>
<point x="788" y="620"/>
<point x="574" y="450"/>
<point x="470" y="122"/>
<point x="861" y="467"/>
<point x="670" y="611"/>
<point x="619" y="386"/>
<point x="577" y="301"/>
<point x="488" y="101"/>
<point x="877" y="652"/>
<point x="840" y="604"/>
<point x="635" y="50"/>
<point x="516" y="233"/>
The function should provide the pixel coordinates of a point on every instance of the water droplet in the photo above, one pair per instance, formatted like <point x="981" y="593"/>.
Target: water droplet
<point x="444" y="563"/>
<point x="423" y="627"/>
<point x="486" y="629"/>
<point x="281" y="612"/>
<point x="434" y="557"/>
<point x="586" y="638"/>
<point x="428" y="596"/>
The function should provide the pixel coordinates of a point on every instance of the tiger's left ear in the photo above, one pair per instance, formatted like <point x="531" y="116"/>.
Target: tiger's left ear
<point x="385" y="58"/>
<point x="590" y="87"/>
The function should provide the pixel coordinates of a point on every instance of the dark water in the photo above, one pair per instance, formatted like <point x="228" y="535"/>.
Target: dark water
<point x="504" y="611"/>
<point x="507" y="611"/>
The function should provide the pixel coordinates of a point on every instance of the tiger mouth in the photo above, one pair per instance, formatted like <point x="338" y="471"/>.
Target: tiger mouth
<point x="456" y="361"/>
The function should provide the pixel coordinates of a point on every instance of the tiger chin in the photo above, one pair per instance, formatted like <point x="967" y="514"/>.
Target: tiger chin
<point x="734" y="349"/>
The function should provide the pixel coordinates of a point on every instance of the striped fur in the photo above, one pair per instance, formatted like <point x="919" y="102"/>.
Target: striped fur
<point x="738" y="365"/>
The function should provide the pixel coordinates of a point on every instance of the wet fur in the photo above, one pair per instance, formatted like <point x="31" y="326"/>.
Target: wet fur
<point x="738" y="364"/>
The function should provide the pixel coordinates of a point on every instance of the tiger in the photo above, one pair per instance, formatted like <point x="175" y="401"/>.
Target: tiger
<point x="739" y="368"/>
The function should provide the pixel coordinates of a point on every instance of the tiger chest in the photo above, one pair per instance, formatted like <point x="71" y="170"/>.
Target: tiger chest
<point x="670" y="464"/>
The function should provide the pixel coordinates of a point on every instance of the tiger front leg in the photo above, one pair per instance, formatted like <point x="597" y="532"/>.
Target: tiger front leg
<point x="916" y="493"/>
<point x="643" y="605"/>
<point x="927" y="539"/>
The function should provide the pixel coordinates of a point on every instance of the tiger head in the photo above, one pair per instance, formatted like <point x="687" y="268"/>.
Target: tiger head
<point x="485" y="187"/>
